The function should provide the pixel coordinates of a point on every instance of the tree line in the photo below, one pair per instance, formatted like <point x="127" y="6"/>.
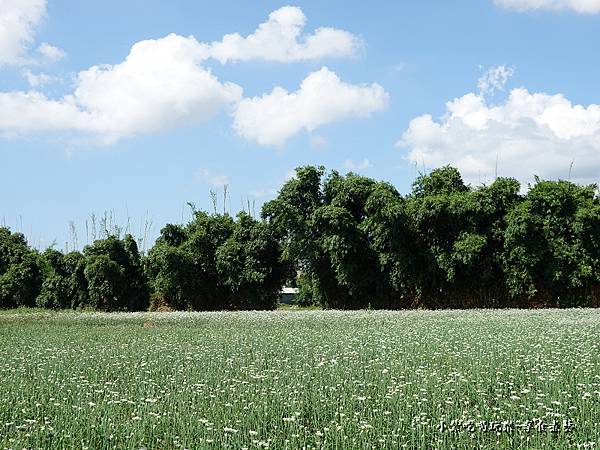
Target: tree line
<point x="346" y="241"/>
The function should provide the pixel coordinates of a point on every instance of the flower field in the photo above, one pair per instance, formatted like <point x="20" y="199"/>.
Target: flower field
<point x="301" y="379"/>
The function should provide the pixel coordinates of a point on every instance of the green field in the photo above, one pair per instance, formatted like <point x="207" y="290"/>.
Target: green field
<point x="294" y="379"/>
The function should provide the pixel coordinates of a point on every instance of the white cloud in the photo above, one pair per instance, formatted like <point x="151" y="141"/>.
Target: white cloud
<point x="162" y="84"/>
<point x="579" y="6"/>
<point x="281" y="39"/>
<point x="322" y="98"/>
<point x="158" y="86"/>
<point x="206" y="176"/>
<point x="27" y="111"/>
<point x="351" y="165"/>
<point x="40" y="79"/>
<point x="494" y="79"/>
<point x="18" y="19"/>
<point x="529" y="134"/>
<point x="51" y="53"/>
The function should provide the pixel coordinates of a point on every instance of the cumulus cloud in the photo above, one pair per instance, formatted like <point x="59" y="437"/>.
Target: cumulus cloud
<point x="51" y="53"/>
<point x="39" y="79"/>
<point x="27" y="111"/>
<point x="578" y="6"/>
<point x="158" y="86"/>
<point x="18" y="19"/>
<point x="321" y="99"/>
<point x="494" y="79"/>
<point x="529" y="134"/>
<point x="162" y="83"/>
<point x="281" y="39"/>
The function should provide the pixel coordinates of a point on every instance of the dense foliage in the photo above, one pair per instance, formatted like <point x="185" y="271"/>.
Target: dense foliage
<point x="358" y="243"/>
<point x="216" y="262"/>
<point x="346" y="241"/>
<point x="107" y="276"/>
<point x="20" y="274"/>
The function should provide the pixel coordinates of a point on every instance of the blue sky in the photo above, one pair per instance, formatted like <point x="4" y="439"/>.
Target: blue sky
<point x="391" y="89"/>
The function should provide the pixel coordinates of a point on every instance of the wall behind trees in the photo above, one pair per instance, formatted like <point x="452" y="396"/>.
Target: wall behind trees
<point x="346" y="241"/>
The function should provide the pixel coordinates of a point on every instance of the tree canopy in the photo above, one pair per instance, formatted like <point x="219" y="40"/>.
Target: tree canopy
<point x="346" y="241"/>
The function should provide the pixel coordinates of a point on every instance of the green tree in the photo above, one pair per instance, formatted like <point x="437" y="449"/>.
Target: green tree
<point x="20" y="272"/>
<point x="321" y="225"/>
<point x="114" y="275"/>
<point x="55" y="292"/>
<point x="458" y="231"/>
<point x="391" y="238"/>
<point x="182" y="264"/>
<point x="250" y="266"/>
<point x="551" y="245"/>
